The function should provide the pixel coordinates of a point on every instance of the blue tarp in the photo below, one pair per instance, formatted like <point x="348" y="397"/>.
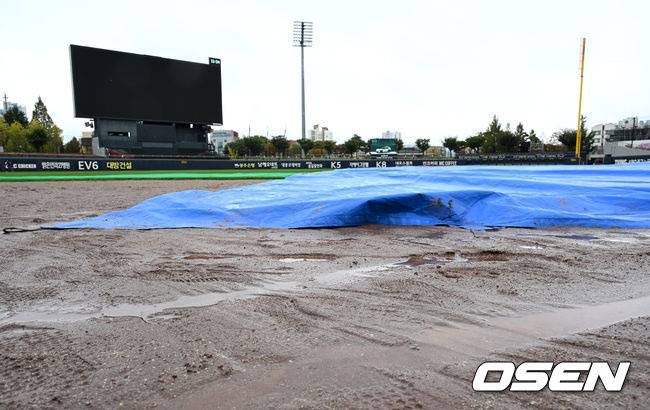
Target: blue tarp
<point x="467" y="196"/>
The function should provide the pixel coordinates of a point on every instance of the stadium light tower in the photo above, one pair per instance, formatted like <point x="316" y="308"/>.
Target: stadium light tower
<point x="303" y="32"/>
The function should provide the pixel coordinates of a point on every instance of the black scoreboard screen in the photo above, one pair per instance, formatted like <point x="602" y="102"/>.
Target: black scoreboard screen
<point x="117" y="85"/>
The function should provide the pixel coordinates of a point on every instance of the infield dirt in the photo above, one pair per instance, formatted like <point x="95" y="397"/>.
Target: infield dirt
<point x="370" y="316"/>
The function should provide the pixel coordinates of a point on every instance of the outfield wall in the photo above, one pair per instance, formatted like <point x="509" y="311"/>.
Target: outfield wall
<point x="10" y="163"/>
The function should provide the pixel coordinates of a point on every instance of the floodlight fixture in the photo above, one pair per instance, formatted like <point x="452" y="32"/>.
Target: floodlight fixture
<point x="303" y="35"/>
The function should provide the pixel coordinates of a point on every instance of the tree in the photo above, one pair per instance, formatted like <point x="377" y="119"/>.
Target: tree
<point x="452" y="144"/>
<point x="37" y="136"/>
<point x="269" y="150"/>
<point x="41" y="115"/>
<point x="247" y="146"/>
<point x="422" y="144"/>
<point x="54" y="142"/>
<point x="354" y="144"/>
<point x="567" y="137"/>
<point x="475" y="142"/>
<point x="533" y="144"/>
<point x="496" y="139"/>
<point x="326" y="146"/>
<point x="519" y="131"/>
<point x="317" y="152"/>
<point x="72" y="147"/>
<point x="507" y="141"/>
<point x="295" y="150"/>
<point x="305" y="145"/>
<point x="41" y="118"/>
<point x="532" y="137"/>
<point x="14" y="114"/>
<point x="400" y="144"/>
<point x="280" y="143"/>
<point x="489" y="143"/>
<point x="492" y="135"/>
<point x="522" y="138"/>
<point x="254" y="146"/>
<point x="329" y="146"/>
<point x="234" y="148"/>
<point x="16" y="139"/>
<point x="4" y="129"/>
<point x="495" y="126"/>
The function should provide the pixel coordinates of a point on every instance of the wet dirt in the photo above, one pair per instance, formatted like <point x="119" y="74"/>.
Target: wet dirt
<point x="58" y="313"/>
<point x="370" y="316"/>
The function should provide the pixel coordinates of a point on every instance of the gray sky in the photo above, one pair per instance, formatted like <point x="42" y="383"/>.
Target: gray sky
<point x="426" y="68"/>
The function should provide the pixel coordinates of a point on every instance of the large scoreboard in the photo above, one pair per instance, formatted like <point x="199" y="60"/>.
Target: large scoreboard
<point x="125" y="86"/>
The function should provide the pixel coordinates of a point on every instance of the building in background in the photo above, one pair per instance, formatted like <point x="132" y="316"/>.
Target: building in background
<point x="625" y="140"/>
<point x="437" y="151"/>
<point x="6" y="104"/>
<point x="318" y="133"/>
<point x="86" y="142"/>
<point x="601" y="133"/>
<point x="391" y="135"/>
<point x="219" y="139"/>
<point x="410" y="149"/>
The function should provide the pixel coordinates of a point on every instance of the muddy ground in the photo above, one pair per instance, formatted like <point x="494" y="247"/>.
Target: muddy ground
<point x="389" y="317"/>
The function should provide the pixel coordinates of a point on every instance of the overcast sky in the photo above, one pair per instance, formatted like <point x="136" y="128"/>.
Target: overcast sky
<point x="428" y="69"/>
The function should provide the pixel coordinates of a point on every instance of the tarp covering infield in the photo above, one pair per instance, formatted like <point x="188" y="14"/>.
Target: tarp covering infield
<point x="470" y="196"/>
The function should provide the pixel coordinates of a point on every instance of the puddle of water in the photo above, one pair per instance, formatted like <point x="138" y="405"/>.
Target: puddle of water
<point x="641" y="234"/>
<point x="578" y="237"/>
<point x="574" y="237"/>
<point x="458" y="258"/>
<point x="621" y="240"/>
<point x="629" y="237"/>
<point x="345" y="276"/>
<point x="294" y="260"/>
<point x="530" y="247"/>
<point x="11" y="331"/>
<point x="500" y="333"/>
<point x="52" y="314"/>
<point x="60" y="314"/>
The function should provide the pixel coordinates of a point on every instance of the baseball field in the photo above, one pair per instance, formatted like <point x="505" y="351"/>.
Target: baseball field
<point x="368" y="316"/>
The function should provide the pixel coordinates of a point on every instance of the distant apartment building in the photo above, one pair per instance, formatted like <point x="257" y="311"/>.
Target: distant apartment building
<point x="627" y="139"/>
<point x="318" y="133"/>
<point x="391" y="135"/>
<point x="219" y="139"/>
<point x="602" y="132"/>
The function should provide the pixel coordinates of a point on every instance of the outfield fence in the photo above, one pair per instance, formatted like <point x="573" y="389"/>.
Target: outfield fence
<point x="90" y="164"/>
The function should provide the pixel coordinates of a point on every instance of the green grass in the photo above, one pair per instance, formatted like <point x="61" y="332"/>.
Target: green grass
<point x="126" y="175"/>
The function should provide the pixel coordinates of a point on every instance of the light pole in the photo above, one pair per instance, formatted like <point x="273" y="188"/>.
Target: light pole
<point x="302" y="37"/>
<point x="582" y="76"/>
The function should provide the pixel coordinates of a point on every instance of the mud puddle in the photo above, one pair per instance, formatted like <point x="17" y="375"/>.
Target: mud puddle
<point x="567" y="236"/>
<point x="433" y="354"/>
<point x="618" y="236"/>
<point x="157" y="311"/>
<point x="294" y="260"/>
<point x="504" y="332"/>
